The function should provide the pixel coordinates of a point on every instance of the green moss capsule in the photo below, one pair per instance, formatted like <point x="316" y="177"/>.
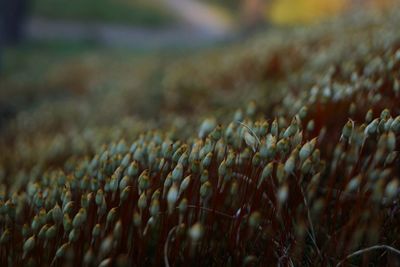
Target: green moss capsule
<point x="196" y="232"/>
<point x="255" y="219"/>
<point x="29" y="245"/>
<point x="172" y="197"/>
<point x="177" y="173"/>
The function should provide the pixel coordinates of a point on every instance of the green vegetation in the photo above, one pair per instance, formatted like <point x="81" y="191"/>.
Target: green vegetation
<point x="136" y="12"/>
<point x="191" y="171"/>
<point x="232" y="5"/>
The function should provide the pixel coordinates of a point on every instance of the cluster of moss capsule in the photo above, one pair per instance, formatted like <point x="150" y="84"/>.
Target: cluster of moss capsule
<point x="262" y="182"/>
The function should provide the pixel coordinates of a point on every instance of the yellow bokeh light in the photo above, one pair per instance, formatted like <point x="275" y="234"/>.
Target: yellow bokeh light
<point x="303" y="11"/>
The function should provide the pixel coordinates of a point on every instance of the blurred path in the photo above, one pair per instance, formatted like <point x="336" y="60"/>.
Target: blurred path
<point x="201" y="16"/>
<point x="200" y="24"/>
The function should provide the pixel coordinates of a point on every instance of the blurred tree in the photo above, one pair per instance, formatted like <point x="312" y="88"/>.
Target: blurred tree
<point x="2" y="6"/>
<point x="13" y="16"/>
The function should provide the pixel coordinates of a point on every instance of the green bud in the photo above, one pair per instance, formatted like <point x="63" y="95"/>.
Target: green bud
<point x="234" y="189"/>
<point x="89" y="258"/>
<point x="99" y="199"/>
<point x="117" y="231"/>
<point x="125" y="181"/>
<point x="29" y="245"/>
<point x="35" y="223"/>
<point x="255" y="219"/>
<point x="106" y="246"/>
<point x="263" y="128"/>
<point x="178" y="153"/>
<point x="96" y="230"/>
<point x="391" y="141"/>
<point x="303" y="112"/>
<point x="51" y="232"/>
<point x="371" y="128"/>
<point x="275" y="128"/>
<point x="395" y="127"/>
<point x="156" y="194"/>
<point x="392" y="189"/>
<point x="290" y="131"/>
<point x="113" y="184"/>
<point x="68" y="207"/>
<point x="256" y="159"/>
<point x="79" y="219"/>
<point x="177" y="173"/>
<point x="111" y="216"/>
<point x="144" y="181"/>
<point x="106" y="263"/>
<point x="5" y="237"/>
<point x="307" y="149"/>
<point x="183" y="206"/>
<point x="280" y="172"/>
<point x="142" y="202"/>
<point x="290" y="164"/>
<point x="385" y="114"/>
<point x="206" y="127"/>
<point x="204" y="176"/>
<point x="42" y="232"/>
<point x="124" y="194"/>
<point x="67" y="223"/>
<point x="250" y="140"/>
<point x="369" y="116"/>
<point x="184" y="185"/>
<point x="154" y="207"/>
<point x="25" y="230"/>
<point x="184" y="158"/>
<point x="62" y="250"/>
<point x="206" y="160"/>
<point x="172" y="197"/>
<point x="354" y="184"/>
<point x="267" y="171"/>
<point x="283" y="193"/>
<point x="205" y="190"/>
<point x="133" y="169"/>
<point x="310" y="126"/>
<point x="196" y="232"/>
<point x="74" y="235"/>
<point x="306" y="166"/>
<point x="126" y="160"/>
<point x="137" y="220"/>
<point x="251" y="108"/>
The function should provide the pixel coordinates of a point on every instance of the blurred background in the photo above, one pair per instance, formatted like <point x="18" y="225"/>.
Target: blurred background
<point x="108" y="58"/>
<point x="75" y="74"/>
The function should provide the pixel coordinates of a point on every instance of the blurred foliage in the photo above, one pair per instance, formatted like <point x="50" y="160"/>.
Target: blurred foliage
<point x="232" y="5"/>
<point x="138" y="12"/>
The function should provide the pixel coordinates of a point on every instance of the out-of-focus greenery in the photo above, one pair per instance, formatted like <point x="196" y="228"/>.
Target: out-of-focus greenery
<point x="232" y="5"/>
<point x="136" y="12"/>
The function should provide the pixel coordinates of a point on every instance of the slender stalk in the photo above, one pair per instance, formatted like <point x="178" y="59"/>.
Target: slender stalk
<point x="312" y="231"/>
<point x="365" y="250"/>
<point x="166" y="262"/>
